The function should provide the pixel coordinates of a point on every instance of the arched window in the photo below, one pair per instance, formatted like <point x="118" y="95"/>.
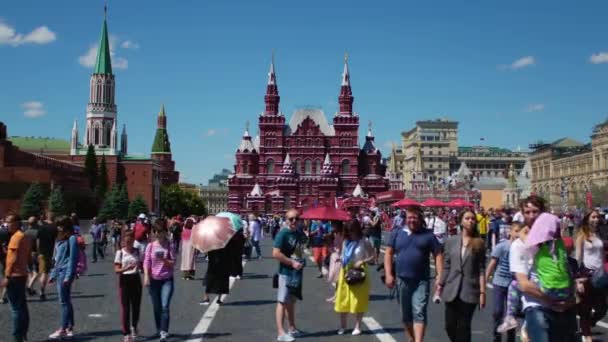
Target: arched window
<point x="270" y="166"/>
<point x="318" y="166"/>
<point x="308" y="167"/>
<point x="96" y="133"/>
<point x="245" y="167"/>
<point x="345" y="167"/>
<point x="298" y="166"/>
<point x="287" y="203"/>
<point x="108" y="134"/>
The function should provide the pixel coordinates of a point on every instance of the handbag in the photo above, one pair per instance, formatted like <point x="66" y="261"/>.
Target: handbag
<point x="354" y="276"/>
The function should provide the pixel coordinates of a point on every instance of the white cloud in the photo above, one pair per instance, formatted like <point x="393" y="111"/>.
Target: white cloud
<point x="598" y="58"/>
<point x="40" y="35"/>
<point x="33" y="109"/>
<point x="89" y="58"/>
<point x="211" y="132"/>
<point x="519" y="63"/>
<point x="128" y="44"/>
<point x="537" y="107"/>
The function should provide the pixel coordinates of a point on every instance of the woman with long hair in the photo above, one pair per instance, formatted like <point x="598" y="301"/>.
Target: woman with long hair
<point x="337" y="238"/>
<point x="188" y="251"/>
<point x="462" y="285"/>
<point x="353" y="298"/>
<point x="158" y="276"/>
<point x="590" y="255"/>
<point x="64" y="273"/>
<point x="127" y="264"/>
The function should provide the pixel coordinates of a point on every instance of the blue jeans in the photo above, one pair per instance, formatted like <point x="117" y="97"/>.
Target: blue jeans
<point x="413" y="296"/>
<point x="65" y="298"/>
<point x="500" y="303"/>
<point x="544" y="325"/>
<point x="15" y="292"/>
<point x="161" y="292"/>
<point x="256" y="245"/>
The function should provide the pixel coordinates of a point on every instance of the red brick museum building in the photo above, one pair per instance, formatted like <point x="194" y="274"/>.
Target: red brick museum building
<point x="306" y="161"/>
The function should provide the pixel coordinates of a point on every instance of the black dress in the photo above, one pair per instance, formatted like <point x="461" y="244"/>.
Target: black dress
<point x="235" y="250"/>
<point x="217" y="279"/>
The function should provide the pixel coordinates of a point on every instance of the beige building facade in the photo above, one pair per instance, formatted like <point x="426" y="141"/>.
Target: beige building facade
<point x="564" y="170"/>
<point x="432" y="145"/>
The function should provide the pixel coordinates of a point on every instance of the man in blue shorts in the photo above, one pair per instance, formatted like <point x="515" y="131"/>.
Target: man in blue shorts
<point x="411" y="246"/>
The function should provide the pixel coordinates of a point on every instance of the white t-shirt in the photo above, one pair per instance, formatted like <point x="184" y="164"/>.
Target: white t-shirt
<point x="593" y="253"/>
<point x="520" y="261"/>
<point x="438" y="227"/>
<point x="126" y="259"/>
<point x="518" y="217"/>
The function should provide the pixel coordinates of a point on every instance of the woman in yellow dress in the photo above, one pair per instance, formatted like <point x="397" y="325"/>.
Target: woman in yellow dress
<point x="357" y="252"/>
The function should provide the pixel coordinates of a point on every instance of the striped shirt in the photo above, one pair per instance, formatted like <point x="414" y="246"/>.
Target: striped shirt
<point x="154" y="261"/>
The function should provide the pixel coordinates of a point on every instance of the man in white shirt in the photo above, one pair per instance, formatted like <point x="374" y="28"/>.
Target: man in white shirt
<point x="437" y="225"/>
<point x="547" y="320"/>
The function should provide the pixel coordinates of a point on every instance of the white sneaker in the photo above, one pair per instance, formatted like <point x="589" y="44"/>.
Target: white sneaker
<point x="356" y="332"/>
<point x="164" y="335"/>
<point x="340" y="331"/>
<point x="285" y="338"/>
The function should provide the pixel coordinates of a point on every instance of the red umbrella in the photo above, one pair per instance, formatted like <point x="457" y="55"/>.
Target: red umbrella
<point x="406" y="202"/>
<point x="460" y="203"/>
<point x="326" y="213"/>
<point x="432" y="202"/>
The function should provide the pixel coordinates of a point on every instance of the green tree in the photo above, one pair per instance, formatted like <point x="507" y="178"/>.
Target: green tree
<point x="56" y="203"/>
<point x="102" y="180"/>
<point x="90" y="167"/>
<point x="109" y="207"/>
<point x="195" y="204"/>
<point x="123" y="202"/>
<point x="32" y="204"/>
<point x="174" y="201"/>
<point x="138" y="206"/>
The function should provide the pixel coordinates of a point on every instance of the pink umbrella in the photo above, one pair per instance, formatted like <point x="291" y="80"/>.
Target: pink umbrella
<point x="432" y="202"/>
<point x="212" y="233"/>
<point x="545" y="228"/>
<point x="326" y="213"/>
<point x="406" y="202"/>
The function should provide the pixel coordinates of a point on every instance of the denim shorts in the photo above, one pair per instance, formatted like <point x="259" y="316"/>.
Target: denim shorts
<point x="413" y="297"/>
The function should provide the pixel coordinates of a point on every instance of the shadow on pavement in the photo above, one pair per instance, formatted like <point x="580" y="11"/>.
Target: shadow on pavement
<point x="91" y="336"/>
<point x="89" y="296"/>
<point x="250" y="303"/>
<point x="95" y="275"/>
<point x="380" y="297"/>
<point x="255" y="276"/>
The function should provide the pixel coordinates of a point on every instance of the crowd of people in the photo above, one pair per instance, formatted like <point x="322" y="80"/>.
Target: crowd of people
<point x="544" y="269"/>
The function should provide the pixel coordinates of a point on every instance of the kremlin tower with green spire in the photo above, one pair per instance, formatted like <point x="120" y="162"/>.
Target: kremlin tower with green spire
<point x="143" y="174"/>
<point x="161" y="150"/>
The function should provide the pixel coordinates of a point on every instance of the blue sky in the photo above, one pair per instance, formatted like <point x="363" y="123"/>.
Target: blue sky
<point x="512" y="72"/>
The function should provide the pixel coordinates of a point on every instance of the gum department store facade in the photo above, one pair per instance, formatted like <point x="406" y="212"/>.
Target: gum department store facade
<point x="570" y="166"/>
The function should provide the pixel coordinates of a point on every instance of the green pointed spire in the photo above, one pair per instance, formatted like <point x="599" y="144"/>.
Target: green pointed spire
<point x="104" y="63"/>
<point x="161" y="144"/>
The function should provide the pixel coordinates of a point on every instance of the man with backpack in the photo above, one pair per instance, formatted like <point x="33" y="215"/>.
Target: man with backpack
<point x="141" y="231"/>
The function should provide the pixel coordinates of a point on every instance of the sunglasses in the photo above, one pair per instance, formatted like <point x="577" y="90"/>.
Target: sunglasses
<point x="292" y="219"/>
